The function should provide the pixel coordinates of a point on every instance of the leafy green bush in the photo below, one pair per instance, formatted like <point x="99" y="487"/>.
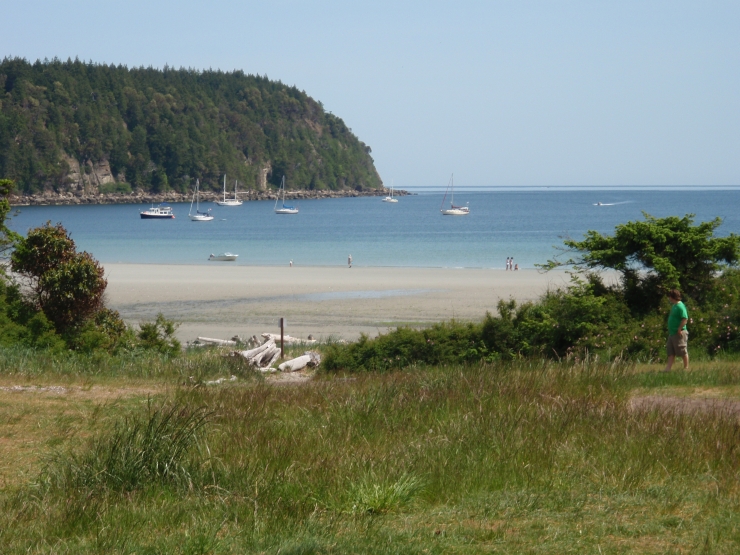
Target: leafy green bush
<point x="445" y="343"/>
<point x="159" y="336"/>
<point x="583" y="319"/>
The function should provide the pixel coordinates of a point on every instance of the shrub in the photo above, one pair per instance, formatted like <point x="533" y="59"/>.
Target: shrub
<point x="66" y="285"/>
<point x="159" y="336"/>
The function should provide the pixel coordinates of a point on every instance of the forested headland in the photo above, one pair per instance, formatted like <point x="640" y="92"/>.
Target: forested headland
<point x="86" y="128"/>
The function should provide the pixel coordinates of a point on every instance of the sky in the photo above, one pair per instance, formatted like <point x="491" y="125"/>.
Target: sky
<point x="500" y="93"/>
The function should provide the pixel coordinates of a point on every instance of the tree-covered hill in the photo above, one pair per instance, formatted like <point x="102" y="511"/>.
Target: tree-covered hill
<point x="76" y="126"/>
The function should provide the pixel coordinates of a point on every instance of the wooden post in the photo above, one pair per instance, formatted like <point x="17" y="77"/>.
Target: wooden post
<point x="282" y="329"/>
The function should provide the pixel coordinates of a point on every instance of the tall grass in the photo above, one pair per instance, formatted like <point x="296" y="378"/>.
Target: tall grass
<point x="196" y="364"/>
<point x="140" y="450"/>
<point x="536" y="456"/>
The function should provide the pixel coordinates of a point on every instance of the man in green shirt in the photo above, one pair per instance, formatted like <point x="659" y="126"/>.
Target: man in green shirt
<point x="678" y="335"/>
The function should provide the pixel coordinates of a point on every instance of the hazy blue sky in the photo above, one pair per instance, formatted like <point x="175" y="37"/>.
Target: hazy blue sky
<point x="498" y="92"/>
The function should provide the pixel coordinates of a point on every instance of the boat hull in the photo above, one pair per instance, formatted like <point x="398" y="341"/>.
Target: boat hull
<point x="286" y="211"/>
<point x="200" y="218"/>
<point x="229" y="202"/>
<point x="390" y="199"/>
<point x="226" y="257"/>
<point x="145" y="216"/>
<point x="456" y="212"/>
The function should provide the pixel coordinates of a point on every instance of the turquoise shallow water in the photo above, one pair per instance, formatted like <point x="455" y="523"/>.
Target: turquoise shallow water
<point x="525" y="224"/>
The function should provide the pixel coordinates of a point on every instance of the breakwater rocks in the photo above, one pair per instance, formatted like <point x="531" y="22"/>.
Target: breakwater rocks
<point x="59" y="199"/>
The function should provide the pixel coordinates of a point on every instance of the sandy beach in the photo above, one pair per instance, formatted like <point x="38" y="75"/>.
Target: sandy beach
<point x="222" y="300"/>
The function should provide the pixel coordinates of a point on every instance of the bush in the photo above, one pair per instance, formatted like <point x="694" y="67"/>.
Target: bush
<point x="159" y="336"/>
<point x="66" y="285"/>
<point x="445" y="343"/>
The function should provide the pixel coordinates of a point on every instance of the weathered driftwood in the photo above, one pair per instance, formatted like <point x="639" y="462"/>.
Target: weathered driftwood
<point x="217" y="341"/>
<point x="257" y="350"/>
<point x="265" y="358"/>
<point x="261" y="356"/>
<point x="287" y="339"/>
<point x="310" y="358"/>
<point x="295" y="364"/>
<point x="275" y="356"/>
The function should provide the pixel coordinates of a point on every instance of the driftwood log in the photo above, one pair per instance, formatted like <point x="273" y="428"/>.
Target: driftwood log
<point x="287" y="339"/>
<point x="224" y="342"/>
<point x="310" y="358"/>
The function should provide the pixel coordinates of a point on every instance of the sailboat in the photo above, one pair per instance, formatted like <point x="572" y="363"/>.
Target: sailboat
<point x="229" y="202"/>
<point x="284" y="209"/>
<point x="453" y="210"/>
<point x="198" y="216"/>
<point x="390" y="198"/>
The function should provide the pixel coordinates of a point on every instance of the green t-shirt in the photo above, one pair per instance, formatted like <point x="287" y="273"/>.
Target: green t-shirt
<point x="678" y="313"/>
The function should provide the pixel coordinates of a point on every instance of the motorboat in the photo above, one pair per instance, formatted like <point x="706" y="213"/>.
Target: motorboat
<point x="161" y="212"/>
<point x="231" y="201"/>
<point x="198" y="216"/>
<point x="223" y="257"/>
<point x="453" y="210"/>
<point x="284" y="209"/>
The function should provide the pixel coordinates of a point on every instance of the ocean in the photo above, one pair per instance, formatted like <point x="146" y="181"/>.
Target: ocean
<point x="527" y="224"/>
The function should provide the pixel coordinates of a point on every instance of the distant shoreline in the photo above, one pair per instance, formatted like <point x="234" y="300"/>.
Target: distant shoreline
<point x="64" y="199"/>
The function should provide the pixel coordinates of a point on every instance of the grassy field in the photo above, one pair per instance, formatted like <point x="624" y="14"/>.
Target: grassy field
<point x="145" y="456"/>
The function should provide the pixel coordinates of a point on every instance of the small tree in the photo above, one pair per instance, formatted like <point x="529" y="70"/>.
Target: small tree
<point x="66" y="285"/>
<point x="8" y="238"/>
<point x="655" y="255"/>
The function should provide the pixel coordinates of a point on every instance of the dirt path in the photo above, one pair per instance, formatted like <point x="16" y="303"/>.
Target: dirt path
<point x="685" y="405"/>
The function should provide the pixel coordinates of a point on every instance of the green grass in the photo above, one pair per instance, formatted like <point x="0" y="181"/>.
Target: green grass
<point x="524" y="457"/>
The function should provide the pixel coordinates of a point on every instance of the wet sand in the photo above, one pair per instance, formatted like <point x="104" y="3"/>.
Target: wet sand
<point x="222" y="300"/>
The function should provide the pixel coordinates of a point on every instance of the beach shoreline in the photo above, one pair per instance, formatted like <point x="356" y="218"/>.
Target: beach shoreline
<point x="223" y="300"/>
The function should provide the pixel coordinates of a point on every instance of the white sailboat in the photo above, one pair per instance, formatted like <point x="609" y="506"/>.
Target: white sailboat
<point x="453" y="210"/>
<point x="390" y="198"/>
<point x="229" y="202"/>
<point x="284" y="209"/>
<point x="198" y="216"/>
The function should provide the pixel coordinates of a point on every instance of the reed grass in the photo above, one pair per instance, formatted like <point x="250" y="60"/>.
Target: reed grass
<point x="523" y="457"/>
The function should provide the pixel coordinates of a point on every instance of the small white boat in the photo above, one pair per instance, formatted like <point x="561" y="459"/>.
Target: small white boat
<point x="230" y="201"/>
<point x="284" y="209"/>
<point x="161" y="212"/>
<point x="453" y="210"/>
<point x="390" y="198"/>
<point x="198" y="216"/>
<point x="223" y="257"/>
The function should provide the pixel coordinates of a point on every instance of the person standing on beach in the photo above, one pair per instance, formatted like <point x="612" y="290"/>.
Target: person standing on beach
<point x="349" y="261"/>
<point x="678" y="335"/>
<point x="507" y="263"/>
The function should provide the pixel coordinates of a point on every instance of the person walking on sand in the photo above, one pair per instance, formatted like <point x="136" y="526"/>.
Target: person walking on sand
<point x="349" y="261"/>
<point x="678" y="335"/>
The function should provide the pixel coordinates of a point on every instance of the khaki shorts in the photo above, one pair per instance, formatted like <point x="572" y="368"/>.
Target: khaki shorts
<point x="676" y="344"/>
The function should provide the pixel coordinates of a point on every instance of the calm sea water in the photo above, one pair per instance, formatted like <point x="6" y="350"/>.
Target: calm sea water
<point x="525" y="224"/>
